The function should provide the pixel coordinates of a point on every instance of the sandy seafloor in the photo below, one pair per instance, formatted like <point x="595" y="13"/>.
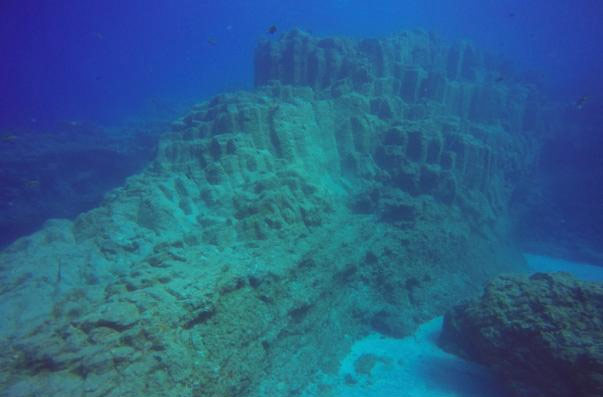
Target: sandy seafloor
<point x="416" y="367"/>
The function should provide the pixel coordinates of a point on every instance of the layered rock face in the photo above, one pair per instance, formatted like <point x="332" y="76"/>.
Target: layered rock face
<point x="362" y="186"/>
<point x="442" y="120"/>
<point x="543" y="335"/>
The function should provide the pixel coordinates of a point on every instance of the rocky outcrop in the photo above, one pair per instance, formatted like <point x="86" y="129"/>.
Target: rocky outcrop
<point x="543" y="334"/>
<point x="437" y="119"/>
<point x="410" y="69"/>
<point x="274" y="227"/>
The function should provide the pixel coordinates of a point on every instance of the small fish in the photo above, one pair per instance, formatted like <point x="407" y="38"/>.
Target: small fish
<point x="581" y="101"/>
<point x="8" y="138"/>
<point x="499" y="79"/>
<point x="272" y="29"/>
<point x="511" y="15"/>
<point x="212" y="41"/>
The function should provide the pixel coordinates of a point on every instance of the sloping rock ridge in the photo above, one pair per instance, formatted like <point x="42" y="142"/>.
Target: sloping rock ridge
<point x="543" y="334"/>
<point x="362" y="186"/>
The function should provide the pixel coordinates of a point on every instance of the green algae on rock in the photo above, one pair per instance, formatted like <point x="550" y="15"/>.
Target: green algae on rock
<point x="542" y="334"/>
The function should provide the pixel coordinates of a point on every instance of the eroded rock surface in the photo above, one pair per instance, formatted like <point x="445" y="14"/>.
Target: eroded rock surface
<point x="543" y="334"/>
<point x="364" y="185"/>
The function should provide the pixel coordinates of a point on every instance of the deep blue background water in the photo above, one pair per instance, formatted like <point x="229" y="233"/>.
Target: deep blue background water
<point x="104" y="61"/>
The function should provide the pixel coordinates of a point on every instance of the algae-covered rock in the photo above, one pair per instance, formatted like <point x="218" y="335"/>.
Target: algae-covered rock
<point x="542" y="334"/>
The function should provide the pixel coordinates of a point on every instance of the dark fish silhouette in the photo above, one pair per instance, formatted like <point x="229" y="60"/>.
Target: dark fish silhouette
<point x="272" y="29"/>
<point x="212" y="41"/>
<point x="499" y="79"/>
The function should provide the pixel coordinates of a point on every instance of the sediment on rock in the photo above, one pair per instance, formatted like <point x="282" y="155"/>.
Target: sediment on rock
<point x="543" y="334"/>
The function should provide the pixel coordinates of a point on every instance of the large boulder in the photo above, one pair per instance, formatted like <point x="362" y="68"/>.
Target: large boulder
<point x="542" y="334"/>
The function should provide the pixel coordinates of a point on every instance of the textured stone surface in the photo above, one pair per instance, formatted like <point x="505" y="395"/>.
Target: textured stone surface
<point x="409" y="69"/>
<point x="367" y="192"/>
<point x="544" y="334"/>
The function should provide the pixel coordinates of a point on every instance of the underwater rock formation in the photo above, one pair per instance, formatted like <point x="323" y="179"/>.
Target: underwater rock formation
<point x="543" y="334"/>
<point x="363" y="186"/>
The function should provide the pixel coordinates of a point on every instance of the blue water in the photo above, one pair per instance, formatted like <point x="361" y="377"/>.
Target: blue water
<point x="106" y="60"/>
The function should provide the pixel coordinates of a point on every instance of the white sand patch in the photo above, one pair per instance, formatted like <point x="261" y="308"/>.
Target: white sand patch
<point x="378" y="366"/>
<point x="414" y="366"/>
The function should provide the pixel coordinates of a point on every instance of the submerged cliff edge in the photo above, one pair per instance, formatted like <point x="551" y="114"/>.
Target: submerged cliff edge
<point x="362" y="186"/>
